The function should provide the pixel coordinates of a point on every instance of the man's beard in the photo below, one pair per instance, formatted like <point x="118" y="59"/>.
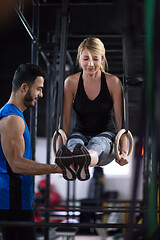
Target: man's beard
<point x="28" y="99"/>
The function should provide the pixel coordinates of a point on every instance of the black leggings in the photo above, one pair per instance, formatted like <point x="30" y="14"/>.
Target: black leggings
<point x="17" y="232"/>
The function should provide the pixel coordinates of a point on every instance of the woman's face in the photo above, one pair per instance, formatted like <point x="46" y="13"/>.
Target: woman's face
<point x="90" y="61"/>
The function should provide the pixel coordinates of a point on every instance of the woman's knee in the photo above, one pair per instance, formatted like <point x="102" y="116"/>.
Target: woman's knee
<point x="72" y="143"/>
<point x="76" y="138"/>
<point x="100" y="145"/>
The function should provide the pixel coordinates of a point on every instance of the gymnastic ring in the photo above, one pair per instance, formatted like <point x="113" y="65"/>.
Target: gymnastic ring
<point x="55" y="137"/>
<point x="118" y="136"/>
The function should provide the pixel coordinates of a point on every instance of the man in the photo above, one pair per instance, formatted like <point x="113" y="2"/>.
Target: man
<point x="16" y="166"/>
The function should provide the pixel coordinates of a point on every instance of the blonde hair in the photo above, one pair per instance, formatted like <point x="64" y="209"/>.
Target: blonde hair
<point x="96" y="45"/>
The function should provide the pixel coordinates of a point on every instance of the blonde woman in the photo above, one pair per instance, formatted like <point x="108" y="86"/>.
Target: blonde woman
<point x="96" y="97"/>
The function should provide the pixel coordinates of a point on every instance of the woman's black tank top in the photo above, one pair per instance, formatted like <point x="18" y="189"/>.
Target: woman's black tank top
<point x="94" y="116"/>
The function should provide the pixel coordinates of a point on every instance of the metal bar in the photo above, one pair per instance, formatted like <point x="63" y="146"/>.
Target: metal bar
<point x="74" y="194"/>
<point x="106" y="201"/>
<point x="21" y="6"/>
<point x="70" y="62"/>
<point x="63" y="49"/>
<point x="69" y="225"/>
<point x="34" y="60"/>
<point x="34" y="111"/>
<point x="55" y="50"/>
<point x="51" y="73"/>
<point x="70" y="207"/>
<point x="108" y="51"/>
<point x="125" y="59"/>
<point x="48" y="135"/>
<point x="36" y="3"/>
<point x="49" y="48"/>
<point x="68" y="196"/>
<point x="96" y="211"/>
<point x="125" y="76"/>
<point x="93" y="35"/>
<point x="77" y="4"/>
<point x="26" y="24"/>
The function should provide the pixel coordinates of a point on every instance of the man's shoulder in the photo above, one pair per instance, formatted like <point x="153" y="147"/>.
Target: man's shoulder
<point x="11" y="124"/>
<point x="10" y="109"/>
<point x="10" y="115"/>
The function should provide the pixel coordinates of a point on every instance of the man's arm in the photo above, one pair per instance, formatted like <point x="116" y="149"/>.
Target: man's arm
<point x="13" y="145"/>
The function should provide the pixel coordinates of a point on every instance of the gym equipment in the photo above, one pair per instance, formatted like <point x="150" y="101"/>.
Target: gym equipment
<point x="57" y="133"/>
<point x="117" y="139"/>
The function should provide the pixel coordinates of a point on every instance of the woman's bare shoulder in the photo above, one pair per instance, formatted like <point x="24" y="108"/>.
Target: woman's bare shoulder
<point x="72" y="80"/>
<point x="113" y="83"/>
<point x="112" y="78"/>
<point x="73" y="77"/>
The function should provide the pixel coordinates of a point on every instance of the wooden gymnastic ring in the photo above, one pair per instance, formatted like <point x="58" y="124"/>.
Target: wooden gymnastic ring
<point x="118" y="136"/>
<point x="55" y="137"/>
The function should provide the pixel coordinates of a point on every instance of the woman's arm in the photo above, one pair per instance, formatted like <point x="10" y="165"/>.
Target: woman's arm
<point x="115" y="89"/>
<point x="69" y="95"/>
<point x="67" y="103"/>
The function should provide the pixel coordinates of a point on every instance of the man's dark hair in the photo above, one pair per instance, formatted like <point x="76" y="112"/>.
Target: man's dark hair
<point x="26" y="73"/>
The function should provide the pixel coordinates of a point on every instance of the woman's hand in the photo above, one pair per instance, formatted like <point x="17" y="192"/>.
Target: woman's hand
<point x="123" y="159"/>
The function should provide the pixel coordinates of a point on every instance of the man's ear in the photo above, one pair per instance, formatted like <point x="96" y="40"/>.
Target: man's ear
<point x="24" y="87"/>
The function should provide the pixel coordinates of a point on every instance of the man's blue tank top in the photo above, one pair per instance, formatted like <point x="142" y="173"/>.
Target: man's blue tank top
<point x="16" y="190"/>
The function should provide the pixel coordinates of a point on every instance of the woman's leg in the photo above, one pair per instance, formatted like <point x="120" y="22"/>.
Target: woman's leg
<point x="76" y="138"/>
<point x="73" y="155"/>
<point x="101" y="149"/>
<point x="81" y="156"/>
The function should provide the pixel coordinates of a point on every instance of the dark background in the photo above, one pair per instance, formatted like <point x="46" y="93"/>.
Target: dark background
<point x="108" y="20"/>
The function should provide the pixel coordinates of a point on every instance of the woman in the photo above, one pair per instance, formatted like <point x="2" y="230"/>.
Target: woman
<point x="96" y="97"/>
